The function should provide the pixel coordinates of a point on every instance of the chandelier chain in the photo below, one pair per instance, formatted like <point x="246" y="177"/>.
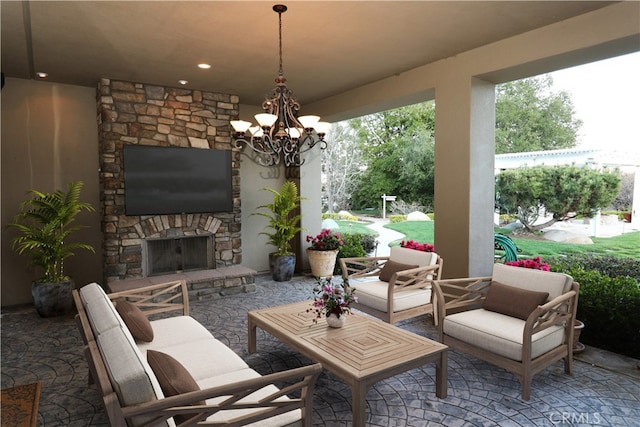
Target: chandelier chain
<point x="281" y="71"/>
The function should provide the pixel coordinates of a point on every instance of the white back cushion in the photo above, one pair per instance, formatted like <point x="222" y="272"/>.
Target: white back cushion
<point x="412" y="256"/>
<point x="125" y="365"/>
<point x="533" y="280"/>
<point x="100" y="311"/>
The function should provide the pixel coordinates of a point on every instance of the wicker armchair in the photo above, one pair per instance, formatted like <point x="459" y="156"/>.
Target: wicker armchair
<point x="396" y="287"/>
<point x="497" y="319"/>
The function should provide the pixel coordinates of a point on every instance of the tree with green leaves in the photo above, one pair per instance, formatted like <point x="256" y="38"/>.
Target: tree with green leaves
<point x="399" y="148"/>
<point x="564" y="192"/>
<point x="398" y="145"/>
<point x="531" y="117"/>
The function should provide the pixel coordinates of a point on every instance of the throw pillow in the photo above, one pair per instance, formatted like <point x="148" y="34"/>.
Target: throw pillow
<point x="137" y="323"/>
<point x="392" y="267"/>
<point x="174" y="378"/>
<point x="512" y="301"/>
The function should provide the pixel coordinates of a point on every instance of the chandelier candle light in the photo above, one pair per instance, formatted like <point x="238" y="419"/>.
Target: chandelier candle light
<point x="281" y="136"/>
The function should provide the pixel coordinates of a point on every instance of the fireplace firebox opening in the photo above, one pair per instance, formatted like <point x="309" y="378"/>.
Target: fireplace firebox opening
<point x="177" y="254"/>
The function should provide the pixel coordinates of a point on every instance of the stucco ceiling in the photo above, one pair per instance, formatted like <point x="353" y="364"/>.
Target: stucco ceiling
<point x="328" y="46"/>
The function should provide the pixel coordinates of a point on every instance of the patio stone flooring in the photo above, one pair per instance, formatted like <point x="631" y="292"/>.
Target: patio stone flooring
<point x="479" y="394"/>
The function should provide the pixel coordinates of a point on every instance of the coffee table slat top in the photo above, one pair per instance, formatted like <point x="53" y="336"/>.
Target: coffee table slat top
<point x="365" y="347"/>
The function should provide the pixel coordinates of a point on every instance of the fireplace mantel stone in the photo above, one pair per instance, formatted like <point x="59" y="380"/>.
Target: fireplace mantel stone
<point x="138" y="113"/>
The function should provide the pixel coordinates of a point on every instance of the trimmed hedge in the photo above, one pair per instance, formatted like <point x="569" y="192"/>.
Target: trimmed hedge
<point x="608" y="265"/>
<point x="397" y="218"/>
<point x="609" y="301"/>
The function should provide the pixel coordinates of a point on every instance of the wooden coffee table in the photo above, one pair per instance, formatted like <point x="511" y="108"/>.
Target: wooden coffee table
<point x="363" y="352"/>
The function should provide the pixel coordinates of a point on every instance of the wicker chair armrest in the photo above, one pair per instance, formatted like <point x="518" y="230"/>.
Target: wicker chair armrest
<point x="413" y="278"/>
<point x="362" y="266"/>
<point x="558" y="311"/>
<point x="302" y="380"/>
<point x="457" y="295"/>
<point x="461" y="293"/>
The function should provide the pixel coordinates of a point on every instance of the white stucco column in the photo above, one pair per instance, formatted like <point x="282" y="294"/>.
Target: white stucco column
<point x="464" y="176"/>
<point x="310" y="187"/>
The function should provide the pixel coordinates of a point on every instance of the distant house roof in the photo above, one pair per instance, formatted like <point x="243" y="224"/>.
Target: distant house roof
<point x="568" y="156"/>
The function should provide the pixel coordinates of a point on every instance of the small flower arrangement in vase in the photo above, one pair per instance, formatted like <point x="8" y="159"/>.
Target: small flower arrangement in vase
<point x="534" y="263"/>
<point x="332" y="302"/>
<point x="412" y="244"/>
<point x="323" y="252"/>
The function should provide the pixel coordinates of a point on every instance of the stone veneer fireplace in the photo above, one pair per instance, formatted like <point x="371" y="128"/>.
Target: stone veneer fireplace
<point x="137" y="113"/>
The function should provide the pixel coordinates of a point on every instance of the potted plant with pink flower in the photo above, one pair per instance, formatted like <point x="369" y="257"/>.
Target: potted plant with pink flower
<point x="332" y="302"/>
<point x="323" y="252"/>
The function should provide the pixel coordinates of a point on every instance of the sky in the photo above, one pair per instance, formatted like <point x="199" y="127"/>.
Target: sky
<point x="606" y="97"/>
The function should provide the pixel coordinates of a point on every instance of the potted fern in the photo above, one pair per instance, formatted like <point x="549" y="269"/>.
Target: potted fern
<point x="284" y="221"/>
<point x="45" y="223"/>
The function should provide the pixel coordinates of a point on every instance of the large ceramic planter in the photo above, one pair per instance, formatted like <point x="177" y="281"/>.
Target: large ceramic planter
<point x="282" y="266"/>
<point x="322" y="262"/>
<point x="52" y="299"/>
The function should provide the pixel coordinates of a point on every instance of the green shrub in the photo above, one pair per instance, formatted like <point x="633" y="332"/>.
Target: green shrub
<point x="337" y="216"/>
<point x="608" y="265"/>
<point x="620" y="214"/>
<point x="507" y="218"/>
<point x="331" y="215"/>
<point x="397" y="218"/>
<point x="368" y="243"/>
<point x="351" y="248"/>
<point x="608" y="306"/>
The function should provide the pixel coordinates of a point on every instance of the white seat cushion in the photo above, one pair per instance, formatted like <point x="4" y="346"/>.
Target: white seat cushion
<point x="203" y="358"/>
<point x="176" y="330"/>
<point x="499" y="334"/>
<point x="291" y="418"/>
<point x="372" y="292"/>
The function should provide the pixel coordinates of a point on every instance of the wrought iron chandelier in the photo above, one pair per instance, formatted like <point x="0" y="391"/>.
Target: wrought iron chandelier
<point x="281" y="136"/>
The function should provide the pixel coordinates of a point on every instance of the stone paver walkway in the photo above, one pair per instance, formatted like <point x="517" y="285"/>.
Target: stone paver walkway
<point x="50" y="351"/>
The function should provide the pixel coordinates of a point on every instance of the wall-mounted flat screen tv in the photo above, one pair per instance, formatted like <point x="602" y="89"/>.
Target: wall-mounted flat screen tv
<point x="172" y="180"/>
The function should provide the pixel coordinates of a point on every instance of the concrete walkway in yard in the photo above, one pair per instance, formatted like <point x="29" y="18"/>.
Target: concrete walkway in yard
<point x="385" y="235"/>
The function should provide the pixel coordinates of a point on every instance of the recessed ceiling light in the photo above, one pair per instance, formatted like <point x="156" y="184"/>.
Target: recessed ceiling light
<point x="183" y="82"/>
<point x="204" y="66"/>
<point x="42" y="75"/>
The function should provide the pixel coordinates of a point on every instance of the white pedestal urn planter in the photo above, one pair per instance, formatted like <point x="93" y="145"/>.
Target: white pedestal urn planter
<point x="322" y="262"/>
<point x="578" y="347"/>
<point x="336" y="322"/>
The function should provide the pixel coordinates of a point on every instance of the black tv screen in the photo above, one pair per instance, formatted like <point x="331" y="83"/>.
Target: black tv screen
<point x="172" y="180"/>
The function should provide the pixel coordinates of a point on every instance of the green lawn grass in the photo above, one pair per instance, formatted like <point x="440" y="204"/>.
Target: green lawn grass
<point x="355" y="227"/>
<point x="626" y="245"/>
<point x="420" y="231"/>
